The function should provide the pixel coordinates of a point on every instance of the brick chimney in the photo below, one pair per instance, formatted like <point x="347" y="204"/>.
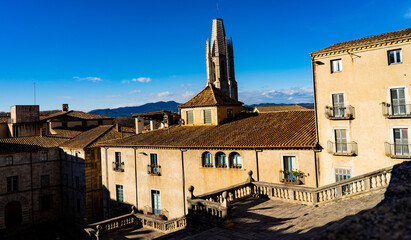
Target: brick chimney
<point x="64" y="107"/>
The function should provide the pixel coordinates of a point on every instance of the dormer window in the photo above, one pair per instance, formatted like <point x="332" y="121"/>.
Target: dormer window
<point x="229" y="112"/>
<point x="207" y="116"/>
<point x="190" y="117"/>
<point x="336" y="65"/>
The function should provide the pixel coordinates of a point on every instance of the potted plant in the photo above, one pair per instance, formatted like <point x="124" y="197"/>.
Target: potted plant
<point x="149" y="213"/>
<point x="162" y="217"/>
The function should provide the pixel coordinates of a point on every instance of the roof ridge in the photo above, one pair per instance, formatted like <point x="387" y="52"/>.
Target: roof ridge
<point x="99" y="136"/>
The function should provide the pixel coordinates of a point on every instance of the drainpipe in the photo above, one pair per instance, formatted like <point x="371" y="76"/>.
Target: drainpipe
<point x="184" y="180"/>
<point x="256" y="163"/>
<point x="107" y="191"/>
<point x="313" y="64"/>
<point x="135" y="175"/>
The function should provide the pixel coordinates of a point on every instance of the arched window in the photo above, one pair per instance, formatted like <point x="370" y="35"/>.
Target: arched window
<point x="235" y="160"/>
<point x="220" y="160"/>
<point x="207" y="159"/>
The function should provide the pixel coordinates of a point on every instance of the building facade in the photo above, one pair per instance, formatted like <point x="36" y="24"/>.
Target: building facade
<point x="362" y="100"/>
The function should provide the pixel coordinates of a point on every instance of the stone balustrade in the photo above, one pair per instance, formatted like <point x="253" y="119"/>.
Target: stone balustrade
<point x="165" y="226"/>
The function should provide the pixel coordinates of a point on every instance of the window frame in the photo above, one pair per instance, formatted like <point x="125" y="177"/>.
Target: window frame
<point x="9" y="160"/>
<point x="238" y="163"/>
<point x="339" y="65"/>
<point x="205" y="118"/>
<point x="395" y="60"/>
<point x="218" y="160"/>
<point x="192" y="116"/>
<point x="207" y="159"/>
<point x="154" y="164"/>
<point x="12" y="184"/>
<point x="119" y="194"/>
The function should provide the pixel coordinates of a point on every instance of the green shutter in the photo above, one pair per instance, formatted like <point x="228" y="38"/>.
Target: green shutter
<point x="207" y="116"/>
<point x="190" y="117"/>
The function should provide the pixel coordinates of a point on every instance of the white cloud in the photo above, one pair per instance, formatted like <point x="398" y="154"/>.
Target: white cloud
<point x="408" y="14"/>
<point x="290" y="95"/>
<point x="125" y="81"/>
<point x="178" y="96"/>
<point x="91" y="79"/>
<point x="134" y="91"/>
<point x="142" y="79"/>
<point x="112" y="96"/>
<point x="65" y="97"/>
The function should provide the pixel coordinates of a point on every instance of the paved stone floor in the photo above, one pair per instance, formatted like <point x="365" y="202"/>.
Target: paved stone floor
<point x="270" y="219"/>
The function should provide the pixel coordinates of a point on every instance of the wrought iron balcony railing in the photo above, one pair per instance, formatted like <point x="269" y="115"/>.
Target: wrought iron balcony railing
<point x="396" y="111"/>
<point x="340" y="113"/>
<point x="118" y="166"/>
<point x="397" y="150"/>
<point x="342" y="149"/>
<point x="154" y="170"/>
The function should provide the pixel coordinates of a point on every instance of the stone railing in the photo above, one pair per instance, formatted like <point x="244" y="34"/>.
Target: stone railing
<point x="95" y="230"/>
<point x="215" y="207"/>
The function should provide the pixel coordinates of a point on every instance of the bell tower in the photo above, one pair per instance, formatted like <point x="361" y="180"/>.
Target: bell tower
<point x="220" y="60"/>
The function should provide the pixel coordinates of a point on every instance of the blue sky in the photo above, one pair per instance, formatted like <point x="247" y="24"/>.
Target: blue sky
<point x="106" y="54"/>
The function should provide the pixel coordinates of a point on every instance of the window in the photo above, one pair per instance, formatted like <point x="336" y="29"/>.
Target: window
<point x="45" y="202"/>
<point x="340" y="140"/>
<point x="190" y="117"/>
<point x="398" y="101"/>
<point x="394" y="56"/>
<point x="336" y="65"/>
<point x="342" y="174"/>
<point x="13" y="184"/>
<point x="153" y="163"/>
<point x="45" y="181"/>
<point x="155" y="201"/>
<point x="119" y="194"/>
<point x="9" y="160"/>
<point x="44" y="156"/>
<point x="338" y="104"/>
<point x="401" y="146"/>
<point x="207" y="159"/>
<point x="289" y="165"/>
<point x="221" y="160"/>
<point x="229" y="112"/>
<point x="118" y="165"/>
<point x="235" y="160"/>
<point x="207" y="116"/>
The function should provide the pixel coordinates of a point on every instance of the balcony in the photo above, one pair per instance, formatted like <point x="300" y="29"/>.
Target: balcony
<point x="291" y="177"/>
<point x="396" y="111"/>
<point x="118" y="166"/>
<point x="397" y="150"/>
<point x="161" y="213"/>
<point x="342" y="149"/>
<point x="340" y="113"/>
<point x="154" y="170"/>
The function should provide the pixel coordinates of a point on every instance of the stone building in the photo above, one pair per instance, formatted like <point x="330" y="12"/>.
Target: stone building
<point x="81" y="172"/>
<point x="220" y="61"/>
<point x="363" y="104"/>
<point x="30" y="173"/>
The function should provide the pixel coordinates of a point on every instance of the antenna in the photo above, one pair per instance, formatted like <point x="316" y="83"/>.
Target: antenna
<point x="34" y="93"/>
<point x="217" y="10"/>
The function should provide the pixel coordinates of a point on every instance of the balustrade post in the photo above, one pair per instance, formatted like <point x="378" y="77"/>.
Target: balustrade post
<point x="189" y="204"/>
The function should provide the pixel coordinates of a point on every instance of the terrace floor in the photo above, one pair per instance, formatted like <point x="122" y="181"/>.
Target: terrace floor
<point x="269" y="219"/>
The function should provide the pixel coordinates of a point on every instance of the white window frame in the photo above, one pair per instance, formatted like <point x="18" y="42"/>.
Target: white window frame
<point x="396" y="60"/>
<point x="187" y="116"/>
<point x="336" y="67"/>
<point x="204" y="116"/>
<point x="341" y="174"/>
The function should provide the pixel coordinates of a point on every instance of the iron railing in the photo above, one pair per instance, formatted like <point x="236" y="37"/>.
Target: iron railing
<point x="340" y="112"/>
<point x="396" y="111"/>
<point x="342" y="149"/>
<point x="397" y="150"/>
<point x="291" y="177"/>
<point x="154" y="170"/>
<point x="118" y="166"/>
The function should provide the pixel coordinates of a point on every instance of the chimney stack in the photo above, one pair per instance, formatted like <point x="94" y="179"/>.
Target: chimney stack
<point x="139" y="125"/>
<point x="64" y="107"/>
<point x="118" y="127"/>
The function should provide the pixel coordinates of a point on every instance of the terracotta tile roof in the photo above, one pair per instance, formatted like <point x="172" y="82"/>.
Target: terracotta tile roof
<point x="94" y="136"/>
<point x="367" y="40"/>
<point x="210" y="96"/>
<point x="287" y="129"/>
<point x="161" y="112"/>
<point x="73" y="116"/>
<point x="32" y="143"/>
<point x="68" y="133"/>
<point x="278" y="108"/>
<point x="4" y="119"/>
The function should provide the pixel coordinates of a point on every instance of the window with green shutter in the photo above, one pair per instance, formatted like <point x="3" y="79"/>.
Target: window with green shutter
<point x="190" y="117"/>
<point x="207" y="116"/>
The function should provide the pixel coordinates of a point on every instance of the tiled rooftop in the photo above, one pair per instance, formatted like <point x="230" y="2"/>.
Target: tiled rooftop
<point x="262" y="109"/>
<point x="210" y="96"/>
<point x="32" y="143"/>
<point x="287" y="129"/>
<point x="73" y="116"/>
<point x="367" y="40"/>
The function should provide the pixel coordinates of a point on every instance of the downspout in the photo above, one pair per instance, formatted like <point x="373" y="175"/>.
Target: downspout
<point x="184" y="180"/>
<point x="135" y="175"/>
<point x="256" y="163"/>
<point x="316" y="121"/>
<point x="107" y="191"/>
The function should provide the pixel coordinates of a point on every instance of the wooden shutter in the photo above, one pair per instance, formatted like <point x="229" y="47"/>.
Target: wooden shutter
<point x="207" y="116"/>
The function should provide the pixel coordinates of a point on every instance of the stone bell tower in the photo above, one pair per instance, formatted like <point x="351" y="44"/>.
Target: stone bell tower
<point x="220" y="60"/>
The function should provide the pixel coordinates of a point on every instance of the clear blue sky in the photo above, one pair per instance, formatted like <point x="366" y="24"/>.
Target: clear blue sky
<point x="106" y="54"/>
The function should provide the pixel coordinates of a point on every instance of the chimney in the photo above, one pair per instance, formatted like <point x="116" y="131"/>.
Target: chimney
<point x="139" y="125"/>
<point x="118" y="127"/>
<point x="64" y="107"/>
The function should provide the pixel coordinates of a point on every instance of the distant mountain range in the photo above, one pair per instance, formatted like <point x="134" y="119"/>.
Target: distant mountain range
<point x="169" y="106"/>
<point x="148" y="107"/>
